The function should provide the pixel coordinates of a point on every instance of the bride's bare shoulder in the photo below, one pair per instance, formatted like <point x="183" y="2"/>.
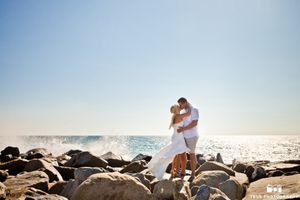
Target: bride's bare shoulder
<point x="177" y="119"/>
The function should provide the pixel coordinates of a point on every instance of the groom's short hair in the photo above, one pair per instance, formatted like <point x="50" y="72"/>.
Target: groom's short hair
<point x="182" y="100"/>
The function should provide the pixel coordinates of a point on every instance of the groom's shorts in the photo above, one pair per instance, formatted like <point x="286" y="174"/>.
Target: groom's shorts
<point x="191" y="143"/>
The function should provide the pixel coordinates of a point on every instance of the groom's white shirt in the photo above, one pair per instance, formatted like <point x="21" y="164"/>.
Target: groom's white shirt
<point x="193" y="132"/>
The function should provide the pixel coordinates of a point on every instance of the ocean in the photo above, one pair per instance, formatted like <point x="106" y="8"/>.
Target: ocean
<point x="244" y="148"/>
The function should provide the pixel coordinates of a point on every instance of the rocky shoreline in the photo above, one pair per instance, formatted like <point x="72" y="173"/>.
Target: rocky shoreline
<point x="80" y="175"/>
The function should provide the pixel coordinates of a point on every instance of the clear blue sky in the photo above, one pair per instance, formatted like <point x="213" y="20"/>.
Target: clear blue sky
<point x="115" y="67"/>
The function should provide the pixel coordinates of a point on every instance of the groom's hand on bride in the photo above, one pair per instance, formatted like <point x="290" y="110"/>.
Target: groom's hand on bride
<point x="180" y="129"/>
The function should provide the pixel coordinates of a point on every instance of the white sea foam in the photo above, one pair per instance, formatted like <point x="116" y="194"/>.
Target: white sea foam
<point x="245" y="148"/>
<point x="58" y="145"/>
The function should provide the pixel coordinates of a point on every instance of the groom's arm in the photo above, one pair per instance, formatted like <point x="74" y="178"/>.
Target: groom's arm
<point x="191" y="125"/>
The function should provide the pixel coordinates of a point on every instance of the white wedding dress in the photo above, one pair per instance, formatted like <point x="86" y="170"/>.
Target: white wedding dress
<point x="160" y="161"/>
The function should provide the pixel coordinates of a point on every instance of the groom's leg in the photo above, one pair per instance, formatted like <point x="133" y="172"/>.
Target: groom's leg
<point x="191" y="144"/>
<point x="193" y="163"/>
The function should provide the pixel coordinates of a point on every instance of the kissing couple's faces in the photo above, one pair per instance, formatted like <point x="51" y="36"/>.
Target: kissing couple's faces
<point x="183" y="105"/>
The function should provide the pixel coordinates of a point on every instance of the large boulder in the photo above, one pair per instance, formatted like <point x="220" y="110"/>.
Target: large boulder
<point x="14" y="151"/>
<point x="242" y="179"/>
<point x="287" y="166"/>
<point x="2" y="191"/>
<point x="37" y="153"/>
<point x="66" y="172"/>
<point x="113" y="186"/>
<point x="37" y="164"/>
<point x="275" y="173"/>
<point x="114" y="160"/>
<point x="210" y="193"/>
<point x="86" y="159"/>
<point x="203" y="192"/>
<point x="34" y="194"/>
<point x="62" y="159"/>
<point x="69" y="188"/>
<point x="3" y="175"/>
<point x="212" y="165"/>
<point x="35" y="179"/>
<point x="82" y="173"/>
<point x="258" y="173"/>
<point x="142" y="178"/>
<point x="135" y="167"/>
<point x="57" y="187"/>
<point x="171" y="189"/>
<point x="268" y="187"/>
<point x="239" y="167"/>
<point x="210" y="178"/>
<point x="232" y="188"/>
<point x="73" y="152"/>
<point x="141" y="157"/>
<point x="15" y="166"/>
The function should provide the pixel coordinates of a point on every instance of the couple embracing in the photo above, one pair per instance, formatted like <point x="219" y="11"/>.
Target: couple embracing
<point x="184" y="139"/>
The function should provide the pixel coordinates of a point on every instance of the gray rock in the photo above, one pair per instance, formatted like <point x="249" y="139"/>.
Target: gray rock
<point x="135" y="167"/>
<point x="15" y="166"/>
<point x="212" y="165"/>
<point x="86" y="159"/>
<point x="275" y="173"/>
<point x="72" y="152"/>
<point x="37" y="153"/>
<point x="104" y="186"/>
<point x="141" y="177"/>
<point x="62" y="159"/>
<point x="290" y="186"/>
<point x="194" y="190"/>
<point x="219" y="158"/>
<point x="141" y="157"/>
<point x="216" y="194"/>
<point x="171" y="189"/>
<point x="2" y="191"/>
<point x="37" y="164"/>
<point x="210" y="157"/>
<point x="44" y="197"/>
<point x="82" y="173"/>
<point x="258" y="173"/>
<point x="249" y="170"/>
<point x="35" y="179"/>
<point x="203" y="193"/>
<point x="232" y="188"/>
<point x="210" y="178"/>
<point x="26" y="193"/>
<point x="66" y="172"/>
<point x="242" y="178"/>
<point x="57" y="187"/>
<point x="6" y="158"/>
<point x="14" y="151"/>
<point x="290" y="173"/>
<point x="239" y="167"/>
<point x="114" y="160"/>
<point x="69" y="189"/>
<point x="3" y="175"/>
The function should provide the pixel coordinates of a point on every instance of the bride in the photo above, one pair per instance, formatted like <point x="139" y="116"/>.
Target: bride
<point x="160" y="161"/>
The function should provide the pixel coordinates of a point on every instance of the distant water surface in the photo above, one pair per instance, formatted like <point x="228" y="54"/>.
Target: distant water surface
<point x="246" y="148"/>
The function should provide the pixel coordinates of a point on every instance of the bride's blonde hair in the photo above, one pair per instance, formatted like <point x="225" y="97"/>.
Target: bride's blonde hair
<point x="174" y="110"/>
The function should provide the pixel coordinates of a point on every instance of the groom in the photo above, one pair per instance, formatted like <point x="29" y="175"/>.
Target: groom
<point x="190" y="134"/>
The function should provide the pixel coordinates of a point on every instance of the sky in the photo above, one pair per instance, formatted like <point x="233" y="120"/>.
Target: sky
<point x="116" y="67"/>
